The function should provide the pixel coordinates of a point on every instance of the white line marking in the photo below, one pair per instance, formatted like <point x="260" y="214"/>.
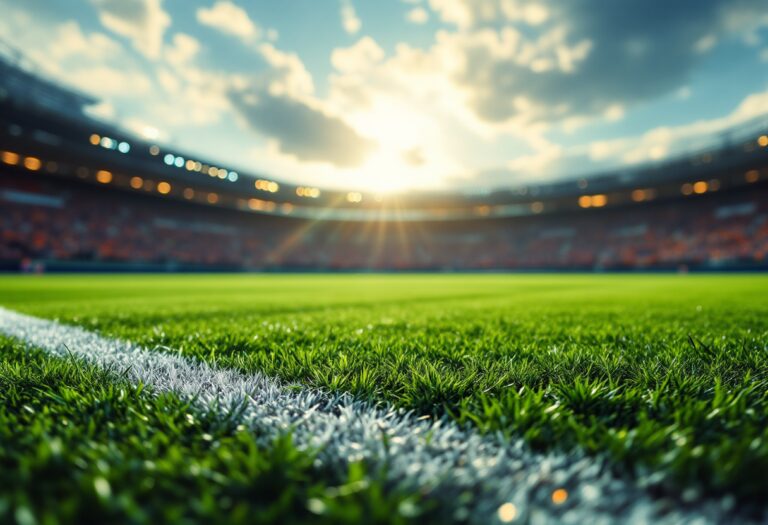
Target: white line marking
<point x="469" y="475"/>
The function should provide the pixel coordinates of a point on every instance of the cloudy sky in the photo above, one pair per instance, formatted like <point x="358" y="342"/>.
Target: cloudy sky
<point x="377" y="94"/>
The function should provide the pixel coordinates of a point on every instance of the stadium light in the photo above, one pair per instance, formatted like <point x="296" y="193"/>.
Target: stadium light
<point x="700" y="187"/>
<point x="10" y="158"/>
<point x="266" y="185"/>
<point x="179" y="162"/>
<point x="169" y="159"/>
<point x="32" y="163"/>
<point x="123" y="147"/>
<point x="232" y="176"/>
<point x="507" y="512"/>
<point x="304" y="191"/>
<point x="598" y="201"/>
<point x="104" y="176"/>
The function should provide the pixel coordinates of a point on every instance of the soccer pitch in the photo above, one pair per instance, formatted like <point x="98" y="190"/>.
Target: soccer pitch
<point x="525" y="398"/>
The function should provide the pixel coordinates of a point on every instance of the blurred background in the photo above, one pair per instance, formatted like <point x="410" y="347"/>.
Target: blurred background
<point x="414" y="135"/>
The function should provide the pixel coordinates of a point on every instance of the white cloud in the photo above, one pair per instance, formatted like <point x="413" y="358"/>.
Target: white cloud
<point x="287" y="73"/>
<point x="663" y="141"/>
<point x="72" y="42"/>
<point x="230" y="19"/>
<point x="417" y="15"/>
<point x="517" y="62"/>
<point x="143" y="22"/>
<point x="363" y="54"/>
<point x="107" y="81"/>
<point x="457" y="12"/>
<point x="102" y="110"/>
<point x="349" y="19"/>
<point x="182" y="50"/>
<point x="85" y="61"/>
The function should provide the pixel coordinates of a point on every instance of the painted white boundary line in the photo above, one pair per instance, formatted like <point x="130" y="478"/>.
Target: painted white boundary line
<point x="470" y="475"/>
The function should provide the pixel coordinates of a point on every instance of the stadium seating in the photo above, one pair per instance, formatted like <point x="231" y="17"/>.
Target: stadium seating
<point x="52" y="222"/>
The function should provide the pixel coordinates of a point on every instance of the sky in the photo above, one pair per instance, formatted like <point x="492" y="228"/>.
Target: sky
<point x="391" y="95"/>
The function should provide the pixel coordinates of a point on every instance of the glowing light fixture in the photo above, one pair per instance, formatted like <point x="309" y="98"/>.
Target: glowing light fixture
<point x="598" y="201"/>
<point x="10" y="158"/>
<point x="311" y="193"/>
<point x="507" y="512"/>
<point x="32" y="163"/>
<point x="559" y="496"/>
<point x="354" y="196"/>
<point x="104" y="176"/>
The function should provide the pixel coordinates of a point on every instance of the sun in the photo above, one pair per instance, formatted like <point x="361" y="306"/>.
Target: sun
<point x="403" y="136"/>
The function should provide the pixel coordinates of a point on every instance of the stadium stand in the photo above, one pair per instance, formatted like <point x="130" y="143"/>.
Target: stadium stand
<point x="51" y="222"/>
<point x="77" y="194"/>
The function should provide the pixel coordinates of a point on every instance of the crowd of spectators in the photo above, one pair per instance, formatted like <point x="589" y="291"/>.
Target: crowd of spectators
<point x="47" y="220"/>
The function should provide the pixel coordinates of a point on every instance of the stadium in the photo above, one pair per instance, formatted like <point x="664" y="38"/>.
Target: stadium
<point x="188" y="341"/>
<point x="705" y="211"/>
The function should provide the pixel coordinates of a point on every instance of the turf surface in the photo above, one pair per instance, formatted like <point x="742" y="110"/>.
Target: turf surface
<point x="666" y="376"/>
<point x="81" y="445"/>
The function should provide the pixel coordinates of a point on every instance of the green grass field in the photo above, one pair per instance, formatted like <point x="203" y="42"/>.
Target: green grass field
<point x="663" y="376"/>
